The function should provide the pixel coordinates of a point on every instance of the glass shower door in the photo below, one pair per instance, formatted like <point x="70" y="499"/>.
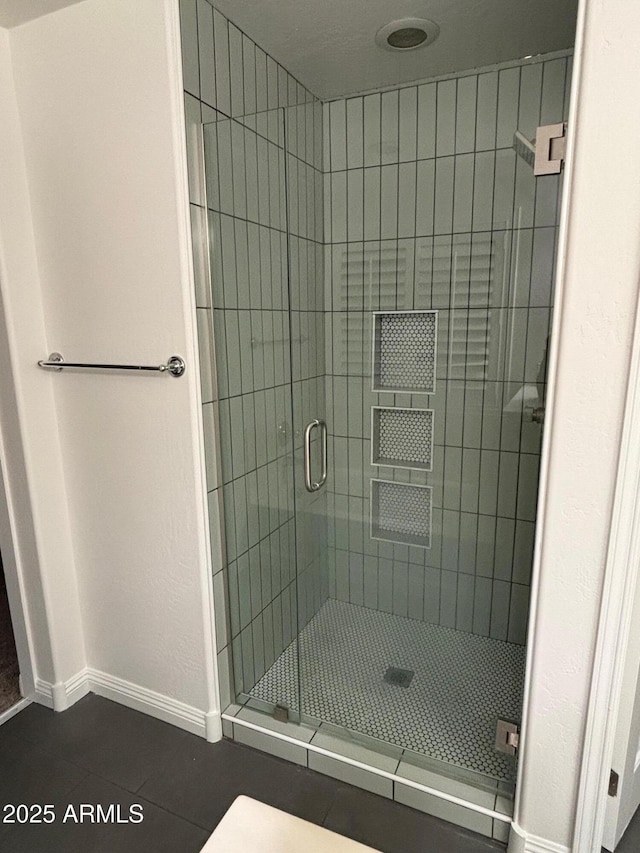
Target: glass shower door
<point x="391" y="603"/>
<point x="248" y="242"/>
<point x="439" y="261"/>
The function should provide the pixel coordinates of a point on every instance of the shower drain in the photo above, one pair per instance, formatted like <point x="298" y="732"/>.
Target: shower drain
<point x="398" y="677"/>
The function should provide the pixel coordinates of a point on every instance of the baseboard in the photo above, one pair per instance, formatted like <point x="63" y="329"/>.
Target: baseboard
<point x="43" y="693"/>
<point x="213" y="726"/>
<point x="76" y="688"/>
<point x="156" y="705"/>
<point x="62" y="695"/>
<point x="523" y="842"/>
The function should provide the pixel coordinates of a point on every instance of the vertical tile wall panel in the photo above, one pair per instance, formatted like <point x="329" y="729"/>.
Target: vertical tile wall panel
<point x="428" y="206"/>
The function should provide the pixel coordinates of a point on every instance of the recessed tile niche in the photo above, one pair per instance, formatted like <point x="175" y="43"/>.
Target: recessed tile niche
<point x="404" y="351"/>
<point x="402" y="438"/>
<point x="401" y="513"/>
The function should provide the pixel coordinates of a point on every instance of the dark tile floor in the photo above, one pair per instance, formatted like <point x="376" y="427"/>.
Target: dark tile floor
<point x="98" y="752"/>
<point x="631" y="839"/>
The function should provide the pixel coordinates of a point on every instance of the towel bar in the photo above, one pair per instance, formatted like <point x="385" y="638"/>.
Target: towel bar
<point x="175" y="366"/>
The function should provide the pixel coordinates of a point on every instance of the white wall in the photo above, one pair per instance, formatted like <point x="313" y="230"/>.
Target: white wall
<point x="14" y="12"/>
<point x="98" y="87"/>
<point x="597" y="304"/>
<point x="95" y="99"/>
<point x="30" y="453"/>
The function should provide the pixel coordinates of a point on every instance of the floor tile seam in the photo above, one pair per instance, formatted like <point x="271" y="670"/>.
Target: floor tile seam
<point x="181" y="817"/>
<point x="164" y="808"/>
<point x="18" y="735"/>
<point x="145" y="800"/>
<point x="334" y="799"/>
<point x="98" y="775"/>
<point x="61" y="790"/>
<point x="51" y="752"/>
<point x="423" y="814"/>
<point x="94" y="773"/>
<point x="88" y="775"/>
<point x="164" y="760"/>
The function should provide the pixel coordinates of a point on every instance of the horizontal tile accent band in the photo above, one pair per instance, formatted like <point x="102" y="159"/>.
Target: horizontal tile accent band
<point x="384" y="773"/>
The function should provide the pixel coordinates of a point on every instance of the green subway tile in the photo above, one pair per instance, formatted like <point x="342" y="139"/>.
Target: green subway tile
<point x="351" y="775"/>
<point x="265" y="743"/>
<point x="443" y="809"/>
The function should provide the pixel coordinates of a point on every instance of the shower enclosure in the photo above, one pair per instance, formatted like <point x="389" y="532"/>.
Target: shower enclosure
<point x="381" y="292"/>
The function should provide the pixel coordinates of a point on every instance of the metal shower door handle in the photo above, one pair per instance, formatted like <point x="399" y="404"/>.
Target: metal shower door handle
<point x="310" y="485"/>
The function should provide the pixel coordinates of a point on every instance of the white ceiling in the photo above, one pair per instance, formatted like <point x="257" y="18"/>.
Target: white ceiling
<point x="16" y="12"/>
<point x="329" y="44"/>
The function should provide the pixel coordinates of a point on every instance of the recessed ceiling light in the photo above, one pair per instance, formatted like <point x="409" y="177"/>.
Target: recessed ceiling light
<point x="407" y="34"/>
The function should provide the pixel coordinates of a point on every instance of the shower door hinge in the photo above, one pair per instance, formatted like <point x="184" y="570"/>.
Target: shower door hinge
<point x="613" y="784"/>
<point x="281" y="713"/>
<point x="551" y="146"/>
<point x="507" y="737"/>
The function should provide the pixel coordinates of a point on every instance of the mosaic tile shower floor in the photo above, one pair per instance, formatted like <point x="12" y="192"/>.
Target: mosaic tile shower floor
<point x="462" y="684"/>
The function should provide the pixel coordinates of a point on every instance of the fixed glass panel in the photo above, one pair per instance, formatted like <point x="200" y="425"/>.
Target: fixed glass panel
<point x="306" y="337"/>
<point x="305" y="199"/>
<point x="247" y="216"/>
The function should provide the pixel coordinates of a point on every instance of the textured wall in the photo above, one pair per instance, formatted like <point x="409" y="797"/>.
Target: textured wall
<point x="428" y="206"/>
<point x="96" y="92"/>
<point x="27" y="396"/>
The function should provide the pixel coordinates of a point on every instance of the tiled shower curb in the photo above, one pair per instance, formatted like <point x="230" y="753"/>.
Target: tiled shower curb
<point x="447" y="806"/>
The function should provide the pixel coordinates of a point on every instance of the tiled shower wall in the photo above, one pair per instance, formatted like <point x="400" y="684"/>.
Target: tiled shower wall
<point x="263" y="139"/>
<point x="427" y="206"/>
